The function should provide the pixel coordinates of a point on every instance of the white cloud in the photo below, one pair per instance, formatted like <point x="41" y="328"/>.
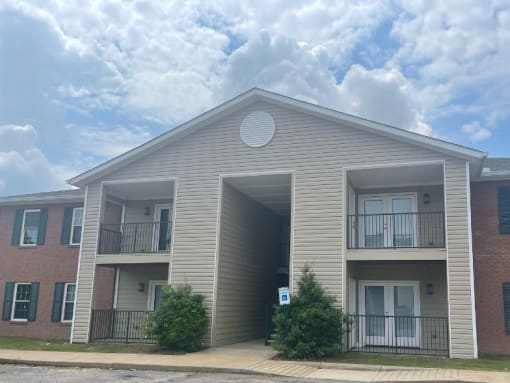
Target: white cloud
<point x="383" y="95"/>
<point x="476" y="132"/>
<point x="106" y="143"/>
<point x="171" y="71"/>
<point x="71" y="91"/>
<point x="123" y="65"/>
<point x="282" y="65"/>
<point x="458" y="53"/>
<point x="23" y="166"/>
<point x="332" y="26"/>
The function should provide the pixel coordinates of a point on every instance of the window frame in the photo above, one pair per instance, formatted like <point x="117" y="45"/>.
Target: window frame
<point x="72" y="226"/>
<point x="152" y="292"/>
<point x="14" y="300"/>
<point x="22" y="233"/>
<point x="503" y="226"/>
<point x="64" y="301"/>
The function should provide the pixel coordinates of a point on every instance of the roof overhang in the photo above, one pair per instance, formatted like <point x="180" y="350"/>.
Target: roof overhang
<point x="257" y="94"/>
<point x="493" y="175"/>
<point x="36" y="200"/>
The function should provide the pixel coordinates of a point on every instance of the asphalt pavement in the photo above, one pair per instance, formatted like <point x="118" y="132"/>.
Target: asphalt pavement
<point x="26" y="374"/>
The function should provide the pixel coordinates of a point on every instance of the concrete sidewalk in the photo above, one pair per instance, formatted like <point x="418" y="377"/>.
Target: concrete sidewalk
<point x="249" y="358"/>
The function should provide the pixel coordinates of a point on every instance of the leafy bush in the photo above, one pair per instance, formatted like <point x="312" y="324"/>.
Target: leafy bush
<point x="180" y="321"/>
<point x="312" y="326"/>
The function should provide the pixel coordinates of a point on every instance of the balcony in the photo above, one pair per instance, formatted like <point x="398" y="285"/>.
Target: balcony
<point x="396" y="230"/>
<point x="396" y="213"/>
<point x="412" y="335"/>
<point x="135" y="238"/>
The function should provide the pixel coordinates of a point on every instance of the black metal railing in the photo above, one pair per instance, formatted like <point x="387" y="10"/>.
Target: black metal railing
<point x="146" y="237"/>
<point x="119" y="326"/>
<point x="397" y="230"/>
<point x="418" y="335"/>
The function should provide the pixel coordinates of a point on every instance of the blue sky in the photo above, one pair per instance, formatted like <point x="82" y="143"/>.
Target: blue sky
<point x="83" y="82"/>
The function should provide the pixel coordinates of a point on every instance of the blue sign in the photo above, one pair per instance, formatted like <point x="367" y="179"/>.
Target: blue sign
<point x="284" y="295"/>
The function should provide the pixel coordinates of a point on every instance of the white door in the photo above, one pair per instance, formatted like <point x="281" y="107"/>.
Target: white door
<point x="373" y="226"/>
<point x="373" y="309"/>
<point x="155" y="290"/>
<point x="388" y="221"/>
<point x="389" y="313"/>
<point x="162" y="228"/>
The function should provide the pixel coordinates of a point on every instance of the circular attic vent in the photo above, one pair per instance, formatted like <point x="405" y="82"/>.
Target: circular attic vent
<point x="257" y="129"/>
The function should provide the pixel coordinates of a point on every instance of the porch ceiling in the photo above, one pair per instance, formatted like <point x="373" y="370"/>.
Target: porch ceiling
<point x="421" y="175"/>
<point x="273" y="191"/>
<point x="142" y="191"/>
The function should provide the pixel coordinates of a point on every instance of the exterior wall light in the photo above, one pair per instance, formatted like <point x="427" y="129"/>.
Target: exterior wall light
<point x="426" y="198"/>
<point x="147" y="210"/>
<point x="141" y="287"/>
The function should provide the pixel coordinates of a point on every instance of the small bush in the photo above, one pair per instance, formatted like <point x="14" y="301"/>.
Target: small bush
<point x="312" y="326"/>
<point x="180" y="321"/>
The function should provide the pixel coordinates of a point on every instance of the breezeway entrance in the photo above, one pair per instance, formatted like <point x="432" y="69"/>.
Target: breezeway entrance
<point x="253" y="255"/>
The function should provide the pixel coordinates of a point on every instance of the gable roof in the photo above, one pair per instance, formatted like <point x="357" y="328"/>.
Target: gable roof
<point x="58" y="196"/>
<point x="257" y="94"/>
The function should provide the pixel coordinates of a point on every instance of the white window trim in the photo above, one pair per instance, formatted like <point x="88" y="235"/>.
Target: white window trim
<point x="72" y="227"/>
<point x="152" y="291"/>
<point x="22" y="233"/>
<point x="62" y="311"/>
<point x="14" y="301"/>
<point x="157" y="213"/>
<point x="362" y="197"/>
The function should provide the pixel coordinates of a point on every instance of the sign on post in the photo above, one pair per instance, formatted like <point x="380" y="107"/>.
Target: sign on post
<point x="284" y="295"/>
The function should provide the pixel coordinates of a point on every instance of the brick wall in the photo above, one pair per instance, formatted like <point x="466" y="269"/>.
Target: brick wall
<point x="492" y="267"/>
<point x="46" y="264"/>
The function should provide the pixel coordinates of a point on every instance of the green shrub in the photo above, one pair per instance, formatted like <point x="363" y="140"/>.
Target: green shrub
<point x="180" y="321"/>
<point x="312" y="326"/>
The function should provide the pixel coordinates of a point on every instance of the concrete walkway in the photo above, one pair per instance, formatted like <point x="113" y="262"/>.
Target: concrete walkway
<point x="249" y="358"/>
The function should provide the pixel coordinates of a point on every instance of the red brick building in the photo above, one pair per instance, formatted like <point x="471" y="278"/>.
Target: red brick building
<point x="490" y="209"/>
<point x="39" y="248"/>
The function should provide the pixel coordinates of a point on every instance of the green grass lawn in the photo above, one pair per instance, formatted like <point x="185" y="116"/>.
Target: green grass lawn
<point x="485" y="362"/>
<point x="24" y="343"/>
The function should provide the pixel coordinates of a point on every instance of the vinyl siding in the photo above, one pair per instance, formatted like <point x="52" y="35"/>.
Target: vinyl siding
<point x="459" y="267"/>
<point x="135" y="210"/>
<point x="129" y="298"/>
<point x="87" y="265"/>
<point x="249" y="251"/>
<point x="317" y="150"/>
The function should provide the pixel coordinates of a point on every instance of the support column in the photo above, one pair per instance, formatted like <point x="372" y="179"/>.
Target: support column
<point x="318" y="230"/>
<point x="94" y="203"/>
<point x="462" y="322"/>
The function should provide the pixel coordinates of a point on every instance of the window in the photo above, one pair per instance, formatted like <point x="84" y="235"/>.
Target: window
<point x="21" y="301"/>
<point x="68" y="302"/>
<point x="30" y="227"/>
<point x="506" y="306"/>
<point x="76" y="226"/>
<point x="504" y="209"/>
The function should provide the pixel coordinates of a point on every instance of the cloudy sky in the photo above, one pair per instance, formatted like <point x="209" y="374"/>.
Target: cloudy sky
<point x="83" y="82"/>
